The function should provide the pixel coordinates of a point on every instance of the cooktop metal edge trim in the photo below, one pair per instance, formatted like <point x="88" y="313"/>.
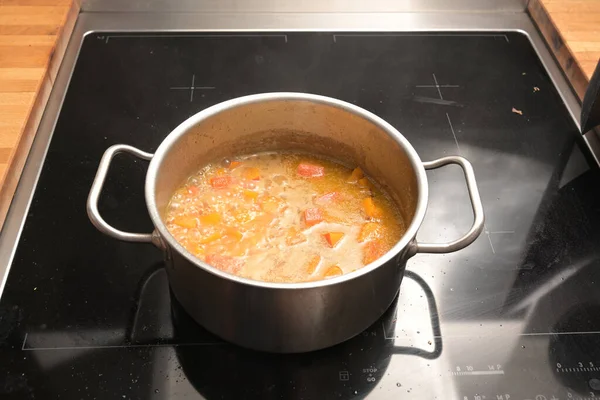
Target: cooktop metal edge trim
<point x="144" y="22"/>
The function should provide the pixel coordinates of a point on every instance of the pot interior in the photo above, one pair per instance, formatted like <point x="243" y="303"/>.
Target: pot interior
<point x="271" y="123"/>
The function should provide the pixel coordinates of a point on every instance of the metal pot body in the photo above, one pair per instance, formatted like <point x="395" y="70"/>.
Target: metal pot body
<point x="294" y="317"/>
<point x="281" y="320"/>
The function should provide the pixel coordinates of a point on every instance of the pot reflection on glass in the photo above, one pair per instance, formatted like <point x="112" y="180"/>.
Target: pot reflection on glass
<point x="287" y="317"/>
<point x="227" y="371"/>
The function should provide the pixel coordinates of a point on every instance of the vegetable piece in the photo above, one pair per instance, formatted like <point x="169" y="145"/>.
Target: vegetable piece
<point x="371" y="209"/>
<point x="370" y="231"/>
<point x="244" y="216"/>
<point x="294" y="236"/>
<point x="250" y="194"/>
<point x="193" y="190"/>
<point x="327" y="198"/>
<point x="312" y="265"/>
<point x="332" y="271"/>
<point x="233" y="233"/>
<point x="210" y="219"/>
<point x="272" y="204"/>
<point x="372" y="251"/>
<point x="234" y="164"/>
<point x="333" y="238"/>
<point x="310" y="170"/>
<point x="364" y="182"/>
<point x="185" y="221"/>
<point x="220" y="182"/>
<point x="252" y="174"/>
<point x="210" y="238"/>
<point x="357" y="174"/>
<point x="312" y="216"/>
<point x="224" y="263"/>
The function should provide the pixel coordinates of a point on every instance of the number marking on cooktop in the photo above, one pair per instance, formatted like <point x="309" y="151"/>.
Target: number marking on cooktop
<point x="472" y="373"/>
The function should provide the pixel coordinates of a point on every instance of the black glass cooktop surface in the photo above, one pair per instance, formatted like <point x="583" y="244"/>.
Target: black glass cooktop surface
<point x="516" y="315"/>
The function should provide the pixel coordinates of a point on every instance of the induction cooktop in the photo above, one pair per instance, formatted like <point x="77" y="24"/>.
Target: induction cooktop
<point x="516" y="315"/>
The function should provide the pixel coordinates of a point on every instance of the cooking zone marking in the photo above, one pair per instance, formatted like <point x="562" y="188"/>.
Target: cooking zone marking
<point x="193" y="36"/>
<point x="335" y="37"/>
<point x="437" y="86"/>
<point x="191" y="88"/>
<point x="487" y="232"/>
<point x="133" y="345"/>
<point x="398" y="337"/>
<point x="116" y="346"/>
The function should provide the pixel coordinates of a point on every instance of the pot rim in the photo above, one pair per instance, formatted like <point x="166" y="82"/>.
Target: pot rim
<point x="185" y="126"/>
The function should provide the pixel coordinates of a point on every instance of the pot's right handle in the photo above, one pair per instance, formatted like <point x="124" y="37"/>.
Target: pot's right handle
<point x="92" y="201"/>
<point x="477" y="226"/>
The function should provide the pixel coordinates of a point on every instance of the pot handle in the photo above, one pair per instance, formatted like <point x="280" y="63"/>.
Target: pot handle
<point x="477" y="226"/>
<point x="92" y="201"/>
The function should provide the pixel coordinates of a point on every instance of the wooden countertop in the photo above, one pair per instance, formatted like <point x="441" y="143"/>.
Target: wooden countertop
<point x="578" y="22"/>
<point x="572" y="30"/>
<point x="33" y="38"/>
<point x="34" y="35"/>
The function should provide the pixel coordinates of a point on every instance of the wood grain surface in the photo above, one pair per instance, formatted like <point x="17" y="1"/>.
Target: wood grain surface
<point x="572" y="30"/>
<point x="578" y="21"/>
<point x="33" y="37"/>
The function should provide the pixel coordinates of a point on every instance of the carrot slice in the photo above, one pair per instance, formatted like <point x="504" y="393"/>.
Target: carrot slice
<point x="312" y="216"/>
<point x="357" y="174"/>
<point x="333" y="238"/>
<point x="210" y="219"/>
<point x="332" y="271"/>
<point x="313" y="264"/>
<point x="224" y="263"/>
<point x="310" y="170"/>
<point x="234" y="164"/>
<point x="252" y="173"/>
<point x="371" y="209"/>
<point x="369" y="231"/>
<point x="372" y="251"/>
<point x="185" y="221"/>
<point x="220" y="182"/>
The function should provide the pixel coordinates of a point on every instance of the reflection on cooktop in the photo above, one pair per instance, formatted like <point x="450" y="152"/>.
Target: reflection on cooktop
<point x="513" y="316"/>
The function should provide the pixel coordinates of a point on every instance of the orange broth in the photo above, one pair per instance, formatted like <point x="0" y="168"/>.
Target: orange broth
<point x="283" y="217"/>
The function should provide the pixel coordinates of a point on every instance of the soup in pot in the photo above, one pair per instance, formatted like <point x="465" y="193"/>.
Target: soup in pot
<point x="283" y="217"/>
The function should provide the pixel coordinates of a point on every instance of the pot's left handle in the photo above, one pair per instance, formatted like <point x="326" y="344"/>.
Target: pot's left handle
<point x="92" y="201"/>
<point x="476" y="203"/>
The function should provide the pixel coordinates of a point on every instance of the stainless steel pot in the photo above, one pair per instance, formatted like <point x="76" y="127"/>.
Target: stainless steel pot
<point x="292" y="317"/>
